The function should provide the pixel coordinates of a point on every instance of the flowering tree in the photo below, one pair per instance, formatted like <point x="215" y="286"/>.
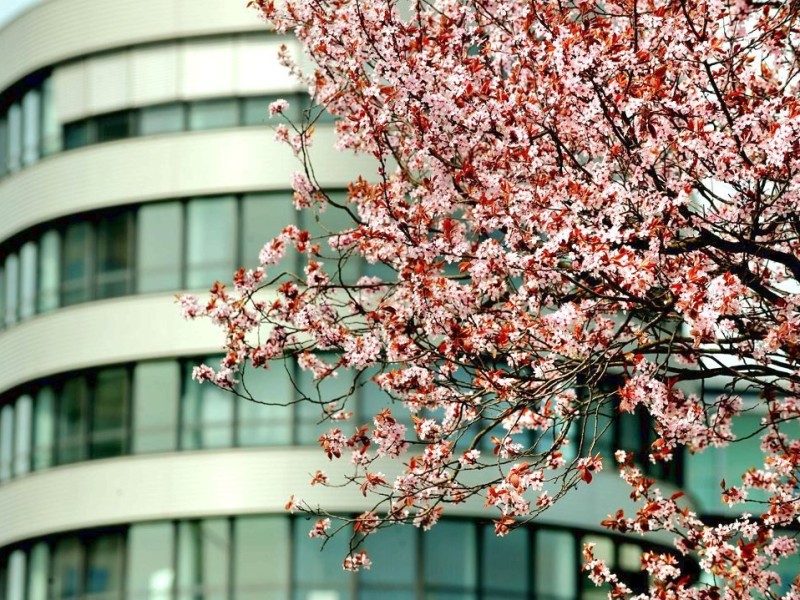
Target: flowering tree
<point x="564" y="190"/>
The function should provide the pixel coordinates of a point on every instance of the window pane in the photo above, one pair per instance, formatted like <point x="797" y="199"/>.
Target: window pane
<point x="27" y="284"/>
<point x="207" y="414"/>
<point x="505" y="561"/>
<point x="331" y="389"/>
<point x="556" y="569"/>
<point x="393" y="552"/>
<point x="14" y="138"/>
<point x="211" y="244"/>
<point x="49" y="270"/>
<point x="15" y="589"/>
<point x="110" y="413"/>
<point x="6" y="441"/>
<point x="38" y="572"/>
<point x="22" y="435"/>
<point x="261" y="424"/>
<point x="156" y="387"/>
<point x="44" y="429"/>
<point x="2" y="296"/>
<point x="51" y="130"/>
<point x="4" y="143"/>
<point x="72" y="421"/>
<point x="213" y="114"/>
<point x="31" y="113"/>
<point x="321" y="226"/>
<point x="150" y="574"/>
<point x="77" y="267"/>
<point x="450" y="556"/>
<point x="113" y="126"/>
<point x="256" y="110"/>
<point x="104" y="568"/>
<point x="203" y="559"/>
<point x="114" y="274"/>
<point x="166" y="118"/>
<point x="260" y="558"/>
<point x="77" y="134"/>
<point x="263" y="218"/>
<point x="159" y="247"/>
<point x="67" y="579"/>
<point x="12" y="289"/>
<point x="318" y="573"/>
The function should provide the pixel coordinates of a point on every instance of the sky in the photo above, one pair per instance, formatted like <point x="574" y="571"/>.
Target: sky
<point x="10" y="8"/>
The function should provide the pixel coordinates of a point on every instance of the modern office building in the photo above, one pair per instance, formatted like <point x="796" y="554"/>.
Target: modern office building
<point x="136" y="161"/>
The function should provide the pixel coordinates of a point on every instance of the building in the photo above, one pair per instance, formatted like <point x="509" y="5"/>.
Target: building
<point x="136" y="162"/>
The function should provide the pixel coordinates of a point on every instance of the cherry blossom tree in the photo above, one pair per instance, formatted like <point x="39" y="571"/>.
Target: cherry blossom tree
<point x="564" y="193"/>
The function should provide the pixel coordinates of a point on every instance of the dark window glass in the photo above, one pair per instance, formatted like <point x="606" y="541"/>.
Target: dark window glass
<point x="213" y="114"/>
<point x="114" y="126"/>
<point x="211" y="243"/>
<point x="77" y="134"/>
<point x="263" y="218"/>
<point x="2" y="296"/>
<point x="207" y="414"/>
<point x="556" y="568"/>
<point x="76" y="270"/>
<point x="31" y="127"/>
<point x="72" y="421"/>
<point x="44" y="428"/>
<point x="165" y="118"/>
<point x="262" y="424"/>
<point x="450" y="558"/>
<point x="261" y="541"/>
<point x="22" y="435"/>
<point x="319" y="574"/>
<point x="104" y="568"/>
<point x="310" y="423"/>
<point x="67" y="570"/>
<point x="156" y="387"/>
<point x="321" y="226"/>
<point x="159" y="246"/>
<point x="12" y="289"/>
<point x="394" y="571"/>
<point x="38" y="572"/>
<point x="203" y="569"/>
<point x="110" y="413"/>
<point x="51" y="130"/>
<point x="27" y="280"/>
<point x="3" y="145"/>
<point x="49" y="270"/>
<point x="14" y="138"/>
<point x="6" y="441"/>
<point x="150" y="573"/>
<point x="501" y="577"/>
<point x="114" y="256"/>
<point x="15" y="588"/>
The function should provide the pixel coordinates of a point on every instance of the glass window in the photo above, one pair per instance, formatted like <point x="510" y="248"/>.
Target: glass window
<point x="6" y="441"/>
<point x="213" y="114"/>
<point x="114" y="253"/>
<point x="27" y="280"/>
<point x="211" y="243"/>
<point x="150" y="574"/>
<point x="12" y="289"/>
<point x="78" y="134"/>
<point x="504" y="578"/>
<point x="603" y="550"/>
<point x="15" y="587"/>
<point x="165" y="118"/>
<point x="317" y="572"/>
<point x="31" y="113"/>
<point x="14" y="138"/>
<point x="261" y="541"/>
<point x="44" y="428"/>
<point x="67" y="570"/>
<point x="49" y="270"/>
<point x="109" y="433"/>
<point x="4" y="143"/>
<point x="262" y="424"/>
<point x="255" y="111"/>
<point x="159" y="245"/>
<point x="203" y="568"/>
<point x="104" y="568"/>
<point x="450" y="557"/>
<point x="330" y="389"/>
<point x="394" y="571"/>
<point x="156" y="389"/>
<point x="22" y="435"/>
<point x="556" y="570"/>
<point x="207" y="414"/>
<point x="72" y="421"/>
<point x="51" y="131"/>
<point x="38" y="572"/>
<point x="263" y="218"/>
<point x="114" y="126"/>
<point x="2" y="296"/>
<point x="77" y="264"/>
<point x="321" y="226"/>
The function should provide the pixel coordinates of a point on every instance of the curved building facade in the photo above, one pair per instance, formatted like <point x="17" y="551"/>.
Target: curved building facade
<point x="136" y="162"/>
